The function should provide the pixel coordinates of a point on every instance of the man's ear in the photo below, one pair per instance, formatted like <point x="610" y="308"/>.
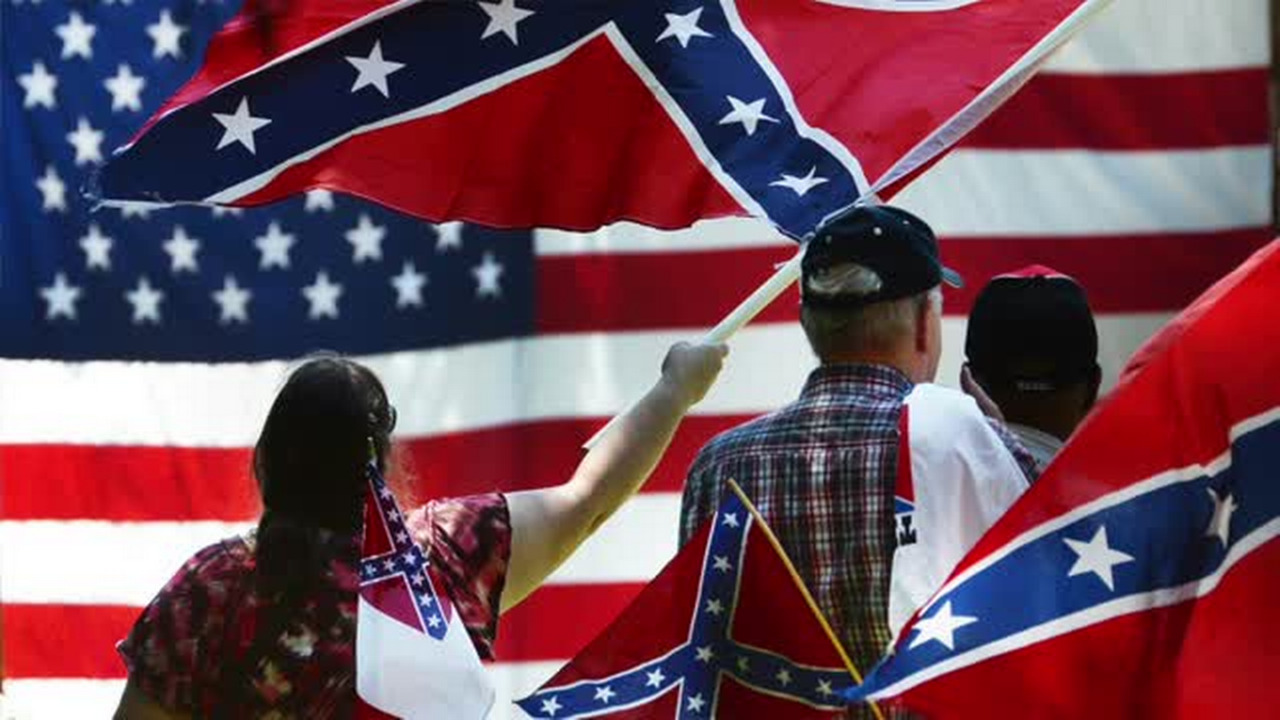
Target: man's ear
<point x="922" y="324"/>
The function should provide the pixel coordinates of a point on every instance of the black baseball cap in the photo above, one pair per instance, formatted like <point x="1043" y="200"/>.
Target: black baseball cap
<point x="1032" y="328"/>
<point x="897" y="246"/>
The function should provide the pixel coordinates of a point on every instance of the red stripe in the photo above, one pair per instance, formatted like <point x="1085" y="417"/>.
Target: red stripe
<point x="78" y="641"/>
<point x="122" y="483"/>
<point x="1123" y="274"/>
<point x="1132" y="112"/>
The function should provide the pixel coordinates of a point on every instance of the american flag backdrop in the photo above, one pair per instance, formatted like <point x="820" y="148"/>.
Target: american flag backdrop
<point x="142" y="348"/>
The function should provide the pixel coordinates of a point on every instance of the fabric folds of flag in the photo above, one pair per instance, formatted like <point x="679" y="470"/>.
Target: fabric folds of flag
<point x="1138" y="576"/>
<point x="414" y="658"/>
<point x="727" y="629"/>
<point x="577" y="114"/>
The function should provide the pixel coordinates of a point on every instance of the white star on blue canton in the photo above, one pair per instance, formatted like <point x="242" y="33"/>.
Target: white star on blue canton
<point x="87" y="141"/>
<point x="800" y="185"/>
<point x="97" y="249"/>
<point x="125" y="88"/>
<point x="39" y="86"/>
<point x="61" y="297"/>
<point x="705" y="654"/>
<point x="1220" y="523"/>
<point x="504" y="16"/>
<point x="274" y="246"/>
<point x="182" y="250"/>
<point x="721" y="563"/>
<point x="731" y="519"/>
<point x="655" y="678"/>
<point x="696" y="703"/>
<point x="1096" y="557"/>
<point x="941" y="626"/>
<point x="77" y="37"/>
<point x="374" y="70"/>
<point x="233" y="301"/>
<point x="146" y="302"/>
<point x="166" y="36"/>
<point x="749" y="115"/>
<point x="323" y="296"/>
<point x="240" y="126"/>
<point x="683" y="27"/>
<point x="715" y="607"/>
<point x="551" y="706"/>
<point x="605" y="694"/>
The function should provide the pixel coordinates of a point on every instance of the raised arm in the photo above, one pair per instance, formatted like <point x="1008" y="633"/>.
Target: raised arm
<point x="548" y="524"/>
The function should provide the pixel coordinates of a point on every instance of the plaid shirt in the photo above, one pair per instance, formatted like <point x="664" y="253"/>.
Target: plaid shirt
<point x="822" y="472"/>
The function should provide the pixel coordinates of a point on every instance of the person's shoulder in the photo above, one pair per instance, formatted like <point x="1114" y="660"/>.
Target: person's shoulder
<point x="224" y="561"/>
<point x="738" y="439"/>
<point x="933" y="405"/>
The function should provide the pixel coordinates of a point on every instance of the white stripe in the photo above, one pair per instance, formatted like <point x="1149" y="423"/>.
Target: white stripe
<point x="84" y="562"/>
<point x="1077" y="192"/>
<point x="1157" y="36"/>
<point x="632" y="546"/>
<point x="1119" y="607"/>
<point x="104" y="563"/>
<point x="435" y="391"/>
<point x="721" y="234"/>
<point x="41" y="699"/>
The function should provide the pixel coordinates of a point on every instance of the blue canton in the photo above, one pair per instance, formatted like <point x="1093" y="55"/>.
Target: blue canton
<point x="319" y="272"/>
<point x="694" y="669"/>
<point x="699" y="59"/>
<point x="404" y="561"/>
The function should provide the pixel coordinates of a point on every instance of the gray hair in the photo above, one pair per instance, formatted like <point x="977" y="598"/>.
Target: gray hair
<point x="875" y="327"/>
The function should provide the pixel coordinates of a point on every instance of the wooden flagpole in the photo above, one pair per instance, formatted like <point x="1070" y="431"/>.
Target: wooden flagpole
<point x="782" y="279"/>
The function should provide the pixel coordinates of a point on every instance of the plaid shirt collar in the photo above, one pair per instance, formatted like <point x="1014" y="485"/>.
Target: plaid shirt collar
<point x="874" y="382"/>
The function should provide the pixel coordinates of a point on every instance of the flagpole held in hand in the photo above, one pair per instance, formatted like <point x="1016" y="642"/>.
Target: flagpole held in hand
<point x="782" y="278"/>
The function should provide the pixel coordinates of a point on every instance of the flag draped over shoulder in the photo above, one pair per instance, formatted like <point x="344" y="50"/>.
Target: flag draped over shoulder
<point x="1138" y="576"/>
<point x="577" y="114"/>
<point x="414" y="658"/>
<point x="725" y="630"/>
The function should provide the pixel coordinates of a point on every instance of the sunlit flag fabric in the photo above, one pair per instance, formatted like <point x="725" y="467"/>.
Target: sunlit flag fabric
<point x="414" y="658"/>
<point x="725" y="630"/>
<point x="576" y="114"/>
<point x="1138" y="577"/>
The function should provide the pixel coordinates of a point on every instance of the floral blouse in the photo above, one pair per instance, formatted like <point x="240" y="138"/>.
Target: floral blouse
<point x="189" y="650"/>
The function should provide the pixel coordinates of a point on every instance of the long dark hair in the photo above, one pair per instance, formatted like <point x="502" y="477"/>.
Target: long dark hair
<point x="326" y="424"/>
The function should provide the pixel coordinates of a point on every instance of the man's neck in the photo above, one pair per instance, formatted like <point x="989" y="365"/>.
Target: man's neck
<point x="893" y="360"/>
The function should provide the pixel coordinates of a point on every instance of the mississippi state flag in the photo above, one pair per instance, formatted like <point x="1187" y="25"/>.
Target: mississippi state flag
<point x="577" y="114"/>
<point x="1139" y="576"/>
<point x="414" y="658"/>
<point x="725" y="630"/>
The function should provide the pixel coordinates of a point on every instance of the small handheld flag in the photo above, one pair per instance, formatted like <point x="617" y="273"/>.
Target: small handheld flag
<point x="725" y="630"/>
<point x="414" y="658"/>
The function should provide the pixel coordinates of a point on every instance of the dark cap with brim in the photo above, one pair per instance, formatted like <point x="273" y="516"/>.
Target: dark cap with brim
<point x="898" y="247"/>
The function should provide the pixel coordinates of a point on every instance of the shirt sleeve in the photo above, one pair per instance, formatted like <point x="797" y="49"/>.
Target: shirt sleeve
<point x="698" y="499"/>
<point x="468" y="541"/>
<point x="172" y="650"/>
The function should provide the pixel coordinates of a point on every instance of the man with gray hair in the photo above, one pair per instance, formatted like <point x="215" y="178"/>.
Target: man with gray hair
<point x="875" y="481"/>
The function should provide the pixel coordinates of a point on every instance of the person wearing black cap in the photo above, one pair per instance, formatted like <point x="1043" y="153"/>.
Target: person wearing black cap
<point x="875" y="480"/>
<point x="1032" y="346"/>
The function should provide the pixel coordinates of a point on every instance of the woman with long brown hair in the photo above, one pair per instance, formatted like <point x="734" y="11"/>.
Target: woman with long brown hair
<point x="263" y="625"/>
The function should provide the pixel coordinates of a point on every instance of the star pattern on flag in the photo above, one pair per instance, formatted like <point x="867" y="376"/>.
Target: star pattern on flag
<point x="77" y="37"/>
<point x="940" y="627"/>
<point x="166" y="36"/>
<point x="1220" y="523"/>
<point x="747" y="114"/>
<point x="235" y="284"/>
<point x="125" y="88"/>
<point x="684" y="27"/>
<point x="504" y="18"/>
<point x="87" y="142"/>
<point x="239" y="127"/>
<point x="373" y="71"/>
<point x="693" y="669"/>
<point x="1096" y="556"/>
